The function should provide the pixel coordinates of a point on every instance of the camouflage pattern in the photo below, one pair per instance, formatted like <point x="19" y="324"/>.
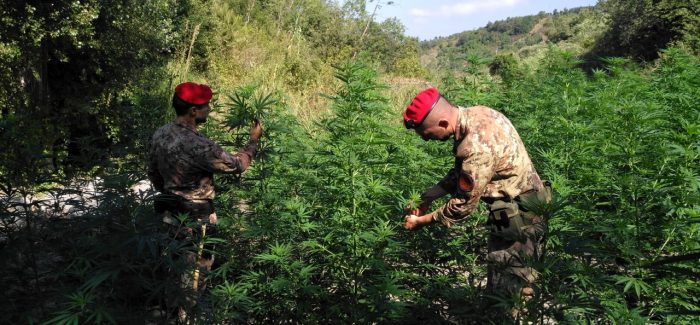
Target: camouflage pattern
<point x="490" y="155"/>
<point x="510" y="261"/>
<point x="492" y="164"/>
<point x="183" y="162"/>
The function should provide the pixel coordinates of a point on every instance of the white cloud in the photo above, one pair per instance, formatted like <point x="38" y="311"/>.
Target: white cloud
<point x="416" y="12"/>
<point x="463" y="8"/>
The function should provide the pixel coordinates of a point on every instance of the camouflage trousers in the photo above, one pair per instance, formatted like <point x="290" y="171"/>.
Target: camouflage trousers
<point x="194" y="256"/>
<point x="510" y="264"/>
<point x="188" y="264"/>
<point x="512" y="254"/>
<point x="189" y="260"/>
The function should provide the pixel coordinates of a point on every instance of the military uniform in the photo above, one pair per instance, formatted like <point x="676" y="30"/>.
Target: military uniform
<point x="182" y="163"/>
<point x="491" y="164"/>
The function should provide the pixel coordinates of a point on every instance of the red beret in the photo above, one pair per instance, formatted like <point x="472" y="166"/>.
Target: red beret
<point x="419" y="107"/>
<point x="193" y="93"/>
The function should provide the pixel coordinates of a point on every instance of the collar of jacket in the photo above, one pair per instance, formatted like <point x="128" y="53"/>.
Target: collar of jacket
<point x="187" y="127"/>
<point x="461" y="130"/>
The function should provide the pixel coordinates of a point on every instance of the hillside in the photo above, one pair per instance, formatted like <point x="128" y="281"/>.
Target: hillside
<point x="627" y="28"/>
<point x="527" y="37"/>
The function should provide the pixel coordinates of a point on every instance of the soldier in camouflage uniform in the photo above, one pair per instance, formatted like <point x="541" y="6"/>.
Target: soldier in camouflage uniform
<point x="491" y="165"/>
<point x="182" y="163"/>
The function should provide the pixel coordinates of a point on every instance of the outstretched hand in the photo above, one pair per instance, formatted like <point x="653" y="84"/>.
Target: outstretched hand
<point x="256" y="130"/>
<point x="411" y="222"/>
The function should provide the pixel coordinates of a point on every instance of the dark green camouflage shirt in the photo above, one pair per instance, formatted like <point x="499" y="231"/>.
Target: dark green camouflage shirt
<point x="183" y="162"/>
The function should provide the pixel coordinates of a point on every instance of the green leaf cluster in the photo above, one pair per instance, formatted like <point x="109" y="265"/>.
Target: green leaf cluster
<point x="621" y="146"/>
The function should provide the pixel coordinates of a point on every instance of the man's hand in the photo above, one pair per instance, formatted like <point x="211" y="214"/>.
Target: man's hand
<point x="413" y="222"/>
<point x="256" y="130"/>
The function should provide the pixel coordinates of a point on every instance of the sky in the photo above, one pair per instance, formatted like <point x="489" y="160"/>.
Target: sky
<point x="429" y="19"/>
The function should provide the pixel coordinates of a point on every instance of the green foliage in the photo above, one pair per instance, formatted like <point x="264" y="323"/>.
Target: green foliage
<point x="297" y="41"/>
<point x="618" y="146"/>
<point x="524" y="37"/>
<point x="308" y="255"/>
<point x="79" y="304"/>
<point x="506" y="67"/>
<point x="640" y="29"/>
<point x="312" y="232"/>
<point x="290" y="265"/>
<point x="70" y="69"/>
<point x="102" y="265"/>
<point x="514" y="26"/>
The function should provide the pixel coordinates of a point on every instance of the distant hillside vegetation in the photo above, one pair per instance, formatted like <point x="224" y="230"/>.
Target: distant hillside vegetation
<point x="576" y="29"/>
<point x="619" y="28"/>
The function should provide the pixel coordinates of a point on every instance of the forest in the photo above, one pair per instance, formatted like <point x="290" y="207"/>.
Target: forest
<point x="606" y="99"/>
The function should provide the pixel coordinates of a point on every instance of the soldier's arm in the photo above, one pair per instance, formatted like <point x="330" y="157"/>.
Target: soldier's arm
<point x="477" y="171"/>
<point x="449" y="182"/>
<point x="446" y="185"/>
<point x="437" y="191"/>
<point x="431" y="195"/>
<point x="219" y="160"/>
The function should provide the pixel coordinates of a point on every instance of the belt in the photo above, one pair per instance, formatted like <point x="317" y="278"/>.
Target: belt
<point x="491" y="200"/>
<point x="176" y="204"/>
<point x="519" y="198"/>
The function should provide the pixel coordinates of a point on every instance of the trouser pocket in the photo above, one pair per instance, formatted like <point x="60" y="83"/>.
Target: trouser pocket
<point x="505" y="221"/>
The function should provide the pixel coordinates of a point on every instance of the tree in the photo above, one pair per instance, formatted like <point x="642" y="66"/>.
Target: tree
<point x="640" y="29"/>
<point x="65" y="65"/>
<point x="506" y="67"/>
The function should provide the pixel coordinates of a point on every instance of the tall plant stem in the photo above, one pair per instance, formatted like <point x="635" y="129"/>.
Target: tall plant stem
<point x="369" y="21"/>
<point x="355" y="272"/>
<point x="186" y="68"/>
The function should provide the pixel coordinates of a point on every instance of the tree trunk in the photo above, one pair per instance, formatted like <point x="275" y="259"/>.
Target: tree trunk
<point x="251" y="5"/>
<point x="283" y="14"/>
<point x="36" y="79"/>
<point x="369" y="21"/>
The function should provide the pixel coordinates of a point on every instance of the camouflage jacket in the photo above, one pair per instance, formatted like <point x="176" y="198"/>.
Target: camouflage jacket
<point x="183" y="162"/>
<point x="490" y="163"/>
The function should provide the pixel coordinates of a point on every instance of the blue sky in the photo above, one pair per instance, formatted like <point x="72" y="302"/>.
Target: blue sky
<point x="429" y="19"/>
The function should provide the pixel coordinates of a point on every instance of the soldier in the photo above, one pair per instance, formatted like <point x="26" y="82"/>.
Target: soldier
<point x="491" y="165"/>
<point x="182" y="163"/>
